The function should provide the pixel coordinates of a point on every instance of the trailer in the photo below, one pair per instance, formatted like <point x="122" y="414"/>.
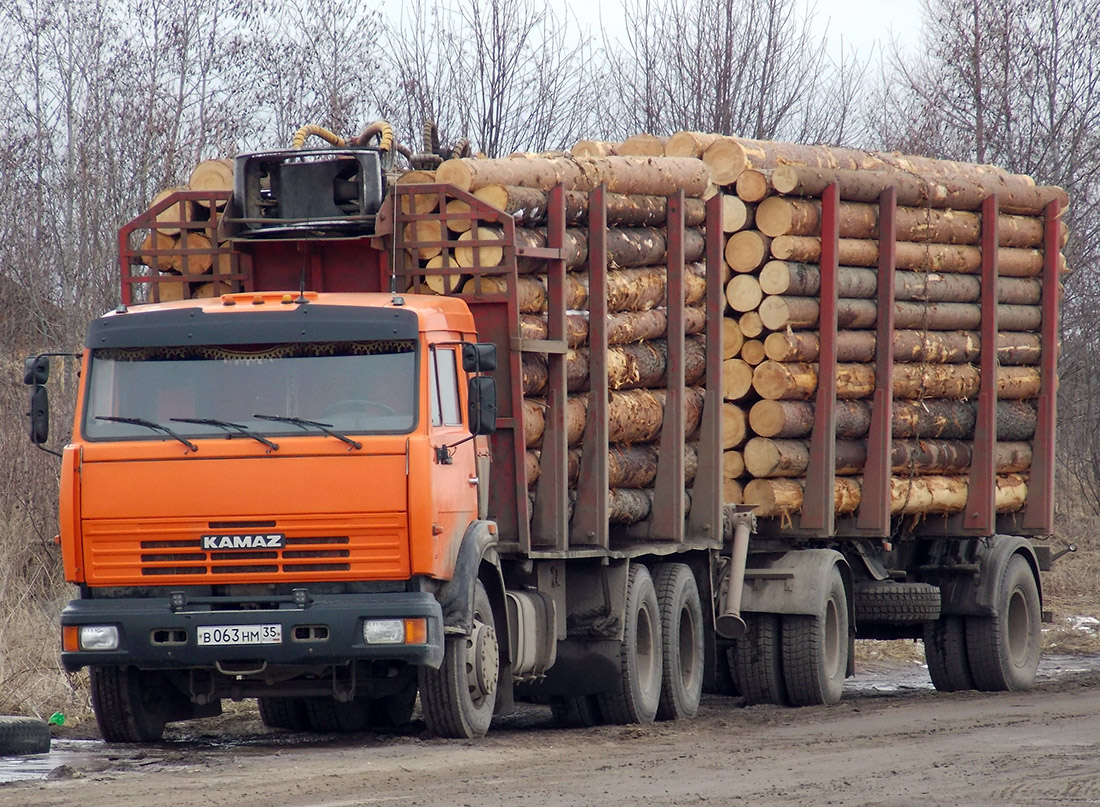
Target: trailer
<point x="306" y="480"/>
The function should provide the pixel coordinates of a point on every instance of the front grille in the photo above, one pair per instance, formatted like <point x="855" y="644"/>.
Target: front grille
<point x="369" y="547"/>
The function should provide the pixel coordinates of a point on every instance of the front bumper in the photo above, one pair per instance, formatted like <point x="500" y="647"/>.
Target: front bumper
<point x="155" y="635"/>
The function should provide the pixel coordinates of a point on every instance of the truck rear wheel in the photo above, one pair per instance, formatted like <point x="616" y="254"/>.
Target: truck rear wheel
<point x="458" y="699"/>
<point x="681" y="641"/>
<point x="815" y="649"/>
<point x="756" y="661"/>
<point x="945" y="653"/>
<point x="283" y="713"/>
<point x="131" y="705"/>
<point x="1004" y="650"/>
<point x="639" y="694"/>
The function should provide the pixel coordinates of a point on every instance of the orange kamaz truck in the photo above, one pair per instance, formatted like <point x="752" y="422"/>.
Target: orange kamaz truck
<point x="299" y="473"/>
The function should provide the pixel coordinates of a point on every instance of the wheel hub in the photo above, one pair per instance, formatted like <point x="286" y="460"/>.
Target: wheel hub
<point x="484" y="656"/>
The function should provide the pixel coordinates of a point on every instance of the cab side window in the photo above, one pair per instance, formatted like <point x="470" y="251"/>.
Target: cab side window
<point x="443" y="379"/>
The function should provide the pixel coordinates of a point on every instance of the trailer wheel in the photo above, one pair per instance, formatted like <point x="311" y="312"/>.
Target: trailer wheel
<point x="332" y="716"/>
<point x="945" y="653"/>
<point x="756" y="661"/>
<point x="23" y="735"/>
<point x="576" y="711"/>
<point x="283" y="713"/>
<point x="1004" y="649"/>
<point x="131" y="705"/>
<point x="815" y="649"/>
<point x="458" y="699"/>
<point x="681" y="641"/>
<point x="639" y="695"/>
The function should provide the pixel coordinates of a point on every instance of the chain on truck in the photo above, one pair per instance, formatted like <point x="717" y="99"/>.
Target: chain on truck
<point x="310" y="489"/>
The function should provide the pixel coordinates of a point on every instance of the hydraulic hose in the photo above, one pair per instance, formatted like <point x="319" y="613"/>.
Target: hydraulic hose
<point x="318" y="131"/>
<point x="380" y="129"/>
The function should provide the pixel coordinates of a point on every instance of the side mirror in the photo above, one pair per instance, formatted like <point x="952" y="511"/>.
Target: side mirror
<point x="40" y="415"/>
<point x="483" y="405"/>
<point x="36" y="370"/>
<point x="479" y="358"/>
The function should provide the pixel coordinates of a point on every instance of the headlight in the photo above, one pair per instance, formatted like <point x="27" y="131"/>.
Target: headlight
<point x="99" y="637"/>
<point x="384" y="631"/>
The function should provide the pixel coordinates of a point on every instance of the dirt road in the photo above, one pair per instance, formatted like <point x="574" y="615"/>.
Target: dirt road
<point x="891" y="741"/>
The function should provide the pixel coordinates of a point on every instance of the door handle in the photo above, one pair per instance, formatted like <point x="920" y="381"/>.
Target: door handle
<point x="473" y="480"/>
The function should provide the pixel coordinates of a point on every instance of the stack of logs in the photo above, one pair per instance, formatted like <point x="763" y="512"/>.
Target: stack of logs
<point x="183" y="245"/>
<point x="772" y="245"/>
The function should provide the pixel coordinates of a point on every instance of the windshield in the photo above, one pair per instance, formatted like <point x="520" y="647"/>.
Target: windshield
<point x="352" y="387"/>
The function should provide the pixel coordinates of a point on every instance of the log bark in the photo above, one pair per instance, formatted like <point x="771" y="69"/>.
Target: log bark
<point x="748" y="250"/>
<point x="528" y="206"/>
<point x="753" y="186"/>
<point x="779" y="312"/>
<point x="937" y="347"/>
<point x="804" y="280"/>
<point x="783" y="497"/>
<point x="632" y="366"/>
<point x="798" y="381"/>
<point x="743" y="293"/>
<point x="769" y="458"/>
<point x="913" y="190"/>
<point x="650" y="176"/>
<point x="631" y="467"/>
<point x="1012" y="262"/>
<point x="634" y="416"/>
<point x="780" y="215"/>
<point x="736" y="379"/>
<point x="930" y="419"/>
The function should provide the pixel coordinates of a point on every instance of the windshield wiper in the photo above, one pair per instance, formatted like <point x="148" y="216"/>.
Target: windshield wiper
<point x="304" y="424"/>
<point x="229" y="427"/>
<point x="149" y="425"/>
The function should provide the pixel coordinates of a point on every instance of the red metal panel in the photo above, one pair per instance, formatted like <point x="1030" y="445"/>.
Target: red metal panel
<point x="818" y="508"/>
<point x="549" y="524"/>
<point x="874" y="509"/>
<point x="980" y="516"/>
<point x="705" y="519"/>
<point x="666" y="520"/>
<point x="1039" y="514"/>
<point x="590" y="519"/>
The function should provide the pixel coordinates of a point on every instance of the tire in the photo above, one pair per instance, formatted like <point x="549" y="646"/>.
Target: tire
<point x="815" y="649"/>
<point x="682" y="660"/>
<point x="331" y="716"/>
<point x="23" y="735"/>
<point x="576" y="711"/>
<point x="639" y="692"/>
<point x="394" y="711"/>
<point x="131" y="705"/>
<point x="897" y="603"/>
<point x="945" y="653"/>
<point x="1003" y="650"/>
<point x="458" y="699"/>
<point x="756" y="661"/>
<point x="284" y="713"/>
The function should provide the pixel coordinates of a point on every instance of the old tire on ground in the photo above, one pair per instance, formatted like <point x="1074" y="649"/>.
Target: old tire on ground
<point x="756" y="661"/>
<point x="945" y="653"/>
<point x="458" y="699"/>
<point x="332" y="716"/>
<point x="681" y="641"/>
<point x="131" y="705"/>
<point x="1004" y="650"/>
<point x="815" y="649"/>
<point x="639" y="693"/>
<point x="576" y="711"/>
<point x="283" y="713"/>
<point x="884" y="601"/>
<point x="23" y="735"/>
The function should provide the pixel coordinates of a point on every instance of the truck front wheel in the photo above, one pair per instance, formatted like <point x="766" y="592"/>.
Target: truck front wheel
<point x="131" y="705"/>
<point x="458" y="699"/>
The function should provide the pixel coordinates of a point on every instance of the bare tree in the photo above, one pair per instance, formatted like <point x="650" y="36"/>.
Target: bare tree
<point x="746" y="67"/>
<point x="508" y="74"/>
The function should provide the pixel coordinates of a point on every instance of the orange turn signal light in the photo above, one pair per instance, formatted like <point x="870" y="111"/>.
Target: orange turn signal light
<point x="416" y="631"/>
<point x="70" y="638"/>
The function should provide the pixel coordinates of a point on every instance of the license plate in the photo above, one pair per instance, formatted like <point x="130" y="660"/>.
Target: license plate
<point x="239" y="635"/>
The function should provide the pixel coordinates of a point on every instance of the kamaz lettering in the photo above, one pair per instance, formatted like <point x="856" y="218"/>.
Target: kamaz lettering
<point x="275" y="540"/>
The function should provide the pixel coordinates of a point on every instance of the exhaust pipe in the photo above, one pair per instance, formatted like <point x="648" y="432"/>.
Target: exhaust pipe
<point x="729" y="623"/>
